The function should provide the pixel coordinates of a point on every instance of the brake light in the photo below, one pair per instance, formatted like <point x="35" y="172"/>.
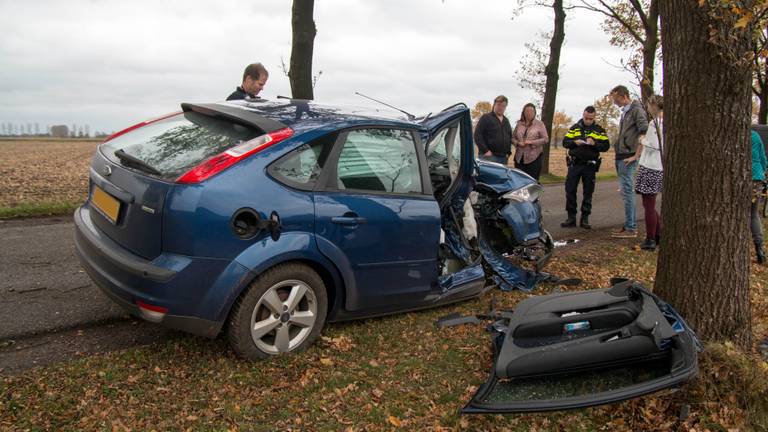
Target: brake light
<point x="220" y="162"/>
<point x="151" y="312"/>
<point x="151" y="307"/>
<point x="138" y="125"/>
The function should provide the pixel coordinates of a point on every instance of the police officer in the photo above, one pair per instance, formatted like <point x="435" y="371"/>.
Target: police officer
<point x="584" y="141"/>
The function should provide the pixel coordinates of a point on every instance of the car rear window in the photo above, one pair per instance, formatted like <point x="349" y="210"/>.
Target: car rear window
<point x="170" y="147"/>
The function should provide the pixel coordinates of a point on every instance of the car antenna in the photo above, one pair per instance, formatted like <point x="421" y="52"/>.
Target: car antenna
<point x="410" y="116"/>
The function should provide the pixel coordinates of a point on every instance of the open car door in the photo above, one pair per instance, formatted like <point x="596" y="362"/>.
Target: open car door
<point x="580" y="349"/>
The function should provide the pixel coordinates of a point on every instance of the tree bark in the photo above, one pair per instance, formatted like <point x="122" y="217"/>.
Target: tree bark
<point x="704" y="260"/>
<point x="304" y="30"/>
<point x="553" y="76"/>
<point x="762" y="96"/>
<point x="650" y="45"/>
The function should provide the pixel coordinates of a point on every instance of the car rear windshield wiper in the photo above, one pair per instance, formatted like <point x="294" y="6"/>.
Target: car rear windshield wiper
<point x="136" y="162"/>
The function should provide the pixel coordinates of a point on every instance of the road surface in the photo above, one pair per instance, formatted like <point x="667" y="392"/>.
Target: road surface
<point x="43" y="288"/>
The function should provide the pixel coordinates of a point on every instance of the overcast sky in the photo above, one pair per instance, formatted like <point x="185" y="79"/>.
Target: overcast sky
<point x="111" y="64"/>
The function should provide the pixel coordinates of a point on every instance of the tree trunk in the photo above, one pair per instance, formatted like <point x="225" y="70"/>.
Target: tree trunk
<point x="300" y="73"/>
<point x="762" y="113"/>
<point x="650" y="45"/>
<point x="704" y="260"/>
<point x="553" y="76"/>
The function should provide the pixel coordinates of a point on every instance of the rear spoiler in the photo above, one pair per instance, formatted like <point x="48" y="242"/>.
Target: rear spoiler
<point x="237" y="115"/>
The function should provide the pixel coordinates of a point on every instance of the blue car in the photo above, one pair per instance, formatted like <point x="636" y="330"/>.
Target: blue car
<point x="265" y="220"/>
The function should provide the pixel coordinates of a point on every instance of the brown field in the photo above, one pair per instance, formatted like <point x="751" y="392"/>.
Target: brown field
<point x="36" y="171"/>
<point x="45" y="171"/>
<point x="558" y="167"/>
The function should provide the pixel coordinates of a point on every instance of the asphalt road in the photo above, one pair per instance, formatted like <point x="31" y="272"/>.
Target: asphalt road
<point x="43" y="288"/>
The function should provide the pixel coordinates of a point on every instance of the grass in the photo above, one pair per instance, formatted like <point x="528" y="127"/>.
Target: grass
<point x="546" y="179"/>
<point x="46" y="208"/>
<point x="379" y="374"/>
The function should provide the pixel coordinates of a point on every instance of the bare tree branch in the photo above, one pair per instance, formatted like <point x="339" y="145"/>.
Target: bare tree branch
<point x="612" y="14"/>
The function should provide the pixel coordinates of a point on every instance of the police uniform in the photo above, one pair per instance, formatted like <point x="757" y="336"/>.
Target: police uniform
<point x="583" y="164"/>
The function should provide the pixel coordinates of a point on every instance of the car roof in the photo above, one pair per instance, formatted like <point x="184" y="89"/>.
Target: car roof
<point x="303" y="115"/>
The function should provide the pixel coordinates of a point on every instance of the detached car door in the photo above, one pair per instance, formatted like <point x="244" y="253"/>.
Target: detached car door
<point x="376" y="212"/>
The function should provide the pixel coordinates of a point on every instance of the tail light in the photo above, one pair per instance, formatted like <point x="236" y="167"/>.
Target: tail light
<point x="220" y="162"/>
<point x="151" y="312"/>
<point x="138" y="125"/>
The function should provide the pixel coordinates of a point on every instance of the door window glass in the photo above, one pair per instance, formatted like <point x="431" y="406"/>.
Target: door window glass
<point x="379" y="160"/>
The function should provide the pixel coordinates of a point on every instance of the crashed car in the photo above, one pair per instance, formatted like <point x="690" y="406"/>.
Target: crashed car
<point x="266" y="219"/>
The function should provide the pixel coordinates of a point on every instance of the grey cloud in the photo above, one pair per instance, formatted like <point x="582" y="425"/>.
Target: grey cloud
<point x="112" y="63"/>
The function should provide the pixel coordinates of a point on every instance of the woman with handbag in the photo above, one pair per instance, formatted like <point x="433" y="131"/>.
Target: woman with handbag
<point x="529" y="138"/>
<point x="650" y="173"/>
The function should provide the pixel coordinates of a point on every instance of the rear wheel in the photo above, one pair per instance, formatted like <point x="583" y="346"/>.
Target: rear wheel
<point x="282" y="311"/>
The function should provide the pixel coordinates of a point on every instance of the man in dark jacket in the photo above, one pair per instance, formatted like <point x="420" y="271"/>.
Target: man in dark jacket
<point x="584" y="141"/>
<point x="254" y="79"/>
<point x="493" y="133"/>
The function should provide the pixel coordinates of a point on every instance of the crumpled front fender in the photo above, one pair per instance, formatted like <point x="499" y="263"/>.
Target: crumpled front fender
<point x="500" y="179"/>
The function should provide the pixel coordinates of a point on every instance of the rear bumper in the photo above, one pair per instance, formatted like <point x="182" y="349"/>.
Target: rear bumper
<point x="86" y="234"/>
<point x="126" y="278"/>
<point x="187" y="324"/>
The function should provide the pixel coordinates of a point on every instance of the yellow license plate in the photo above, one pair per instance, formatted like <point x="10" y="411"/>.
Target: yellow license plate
<point x="105" y="203"/>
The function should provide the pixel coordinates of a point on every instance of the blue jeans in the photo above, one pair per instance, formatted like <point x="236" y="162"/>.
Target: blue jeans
<point x="627" y="184"/>
<point x="493" y="158"/>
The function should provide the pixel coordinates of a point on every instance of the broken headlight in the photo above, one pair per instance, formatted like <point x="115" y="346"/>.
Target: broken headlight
<point x="528" y="193"/>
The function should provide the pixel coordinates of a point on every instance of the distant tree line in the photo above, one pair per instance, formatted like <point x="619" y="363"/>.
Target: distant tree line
<point x="10" y="129"/>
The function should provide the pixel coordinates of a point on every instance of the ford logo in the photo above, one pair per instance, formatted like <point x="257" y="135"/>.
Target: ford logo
<point x="107" y="170"/>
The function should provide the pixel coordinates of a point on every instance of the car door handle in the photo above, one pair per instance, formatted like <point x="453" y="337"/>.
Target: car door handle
<point x="349" y="219"/>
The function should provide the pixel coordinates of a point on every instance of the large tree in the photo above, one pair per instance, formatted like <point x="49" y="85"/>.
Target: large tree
<point x="632" y="25"/>
<point x="551" y="70"/>
<point x="704" y="261"/>
<point x="760" y="71"/>
<point x="304" y="30"/>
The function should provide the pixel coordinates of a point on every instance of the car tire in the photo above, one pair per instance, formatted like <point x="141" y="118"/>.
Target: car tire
<point x="282" y="311"/>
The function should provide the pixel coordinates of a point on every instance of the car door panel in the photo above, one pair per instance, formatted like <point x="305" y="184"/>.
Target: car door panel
<point x="374" y="211"/>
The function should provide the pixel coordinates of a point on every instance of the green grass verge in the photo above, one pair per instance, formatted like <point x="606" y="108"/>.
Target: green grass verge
<point x="48" y="208"/>
<point x="555" y="179"/>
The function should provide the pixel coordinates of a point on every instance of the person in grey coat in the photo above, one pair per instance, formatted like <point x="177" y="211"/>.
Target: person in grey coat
<point x="632" y="128"/>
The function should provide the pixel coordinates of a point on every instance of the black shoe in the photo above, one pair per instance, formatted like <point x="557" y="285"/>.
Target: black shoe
<point x="585" y="222"/>
<point x="648" y="244"/>
<point x="760" y="252"/>
<point x="569" y="223"/>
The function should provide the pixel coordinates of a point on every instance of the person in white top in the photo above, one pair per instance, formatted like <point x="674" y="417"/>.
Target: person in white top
<point x="650" y="174"/>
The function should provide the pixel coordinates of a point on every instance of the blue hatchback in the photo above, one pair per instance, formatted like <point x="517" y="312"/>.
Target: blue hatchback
<point x="265" y="220"/>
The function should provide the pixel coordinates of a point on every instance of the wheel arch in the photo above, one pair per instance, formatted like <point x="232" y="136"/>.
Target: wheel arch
<point x="330" y="275"/>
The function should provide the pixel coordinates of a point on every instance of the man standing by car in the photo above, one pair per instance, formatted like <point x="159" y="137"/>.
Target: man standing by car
<point x="585" y="141"/>
<point x="254" y="79"/>
<point x="632" y="127"/>
<point x="493" y="133"/>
